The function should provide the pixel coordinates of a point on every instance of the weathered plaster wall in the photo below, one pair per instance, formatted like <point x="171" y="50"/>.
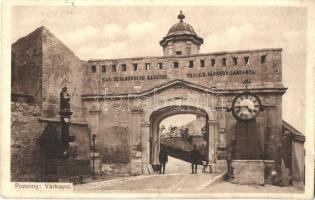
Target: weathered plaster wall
<point x="112" y="130"/>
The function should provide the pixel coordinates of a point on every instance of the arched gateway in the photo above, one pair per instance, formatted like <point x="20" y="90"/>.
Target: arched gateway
<point x="158" y="115"/>
<point x="120" y="102"/>
<point x="126" y="99"/>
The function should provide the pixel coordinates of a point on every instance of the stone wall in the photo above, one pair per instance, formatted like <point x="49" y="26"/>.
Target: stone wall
<point x="26" y="63"/>
<point x="25" y="150"/>
<point x="61" y="68"/>
<point x="26" y="154"/>
<point x="114" y="145"/>
<point x="41" y="66"/>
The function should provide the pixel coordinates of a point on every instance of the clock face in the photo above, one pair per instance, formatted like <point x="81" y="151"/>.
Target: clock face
<point x="246" y="106"/>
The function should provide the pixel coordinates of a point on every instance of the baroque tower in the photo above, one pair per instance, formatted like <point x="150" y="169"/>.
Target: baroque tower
<point x="181" y="39"/>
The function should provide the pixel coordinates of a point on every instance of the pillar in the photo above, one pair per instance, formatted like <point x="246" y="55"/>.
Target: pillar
<point x="95" y="130"/>
<point x="136" y="147"/>
<point x="212" y="141"/>
<point x="145" y="144"/>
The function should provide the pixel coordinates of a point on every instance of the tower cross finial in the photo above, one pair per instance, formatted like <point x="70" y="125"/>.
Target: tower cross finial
<point x="181" y="16"/>
<point x="246" y="83"/>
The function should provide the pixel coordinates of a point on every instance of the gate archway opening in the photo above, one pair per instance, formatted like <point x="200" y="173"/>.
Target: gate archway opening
<point x="157" y="142"/>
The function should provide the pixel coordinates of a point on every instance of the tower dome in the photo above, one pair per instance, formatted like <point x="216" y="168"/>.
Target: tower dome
<point x="181" y="39"/>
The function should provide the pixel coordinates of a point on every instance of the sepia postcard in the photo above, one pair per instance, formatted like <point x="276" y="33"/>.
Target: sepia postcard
<point x="153" y="99"/>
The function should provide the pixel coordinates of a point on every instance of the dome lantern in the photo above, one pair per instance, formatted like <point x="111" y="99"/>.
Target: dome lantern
<point x="181" y="39"/>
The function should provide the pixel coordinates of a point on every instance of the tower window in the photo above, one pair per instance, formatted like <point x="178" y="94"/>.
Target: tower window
<point x="176" y="65"/>
<point x="135" y="66"/>
<point x="103" y="68"/>
<point x="93" y="68"/>
<point x="147" y="66"/>
<point x="202" y="63"/>
<point x="191" y="64"/>
<point x="263" y="59"/>
<point x="224" y="61"/>
<point x="160" y="65"/>
<point x="178" y="53"/>
<point x="113" y="68"/>
<point x="246" y="60"/>
<point x="235" y="60"/>
<point x="123" y="67"/>
<point x="212" y="62"/>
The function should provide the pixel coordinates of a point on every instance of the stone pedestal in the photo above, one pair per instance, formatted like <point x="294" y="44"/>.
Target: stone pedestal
<point x="248" y="172"/>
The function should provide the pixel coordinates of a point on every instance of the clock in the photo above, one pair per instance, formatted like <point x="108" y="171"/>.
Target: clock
<point x="246" y="106"/>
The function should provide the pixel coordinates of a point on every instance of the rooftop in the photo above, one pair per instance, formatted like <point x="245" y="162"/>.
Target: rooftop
<point x="218" y="53"/>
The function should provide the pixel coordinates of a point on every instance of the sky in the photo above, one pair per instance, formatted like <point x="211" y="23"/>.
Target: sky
<point x="132" y="31"/>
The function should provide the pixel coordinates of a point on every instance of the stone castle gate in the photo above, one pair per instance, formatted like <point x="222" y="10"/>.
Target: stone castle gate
<point x="122" y="101"/>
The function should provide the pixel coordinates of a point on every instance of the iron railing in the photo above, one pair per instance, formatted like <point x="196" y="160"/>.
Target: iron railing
<point x="75" y="171"/>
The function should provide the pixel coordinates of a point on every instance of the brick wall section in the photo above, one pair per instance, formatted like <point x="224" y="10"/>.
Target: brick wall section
<point x="25" y="150"/>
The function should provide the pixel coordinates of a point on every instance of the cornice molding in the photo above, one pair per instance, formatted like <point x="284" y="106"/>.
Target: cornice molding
<point x="186" y="84"/>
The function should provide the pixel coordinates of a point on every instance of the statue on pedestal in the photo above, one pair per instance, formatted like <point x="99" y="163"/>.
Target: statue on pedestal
<point x="65" y="115"/>
<point x="64" y="100"/>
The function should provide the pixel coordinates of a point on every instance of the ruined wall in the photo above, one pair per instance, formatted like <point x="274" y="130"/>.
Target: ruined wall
<point x="26" y="155"/>
<point x="26" y="64"/>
